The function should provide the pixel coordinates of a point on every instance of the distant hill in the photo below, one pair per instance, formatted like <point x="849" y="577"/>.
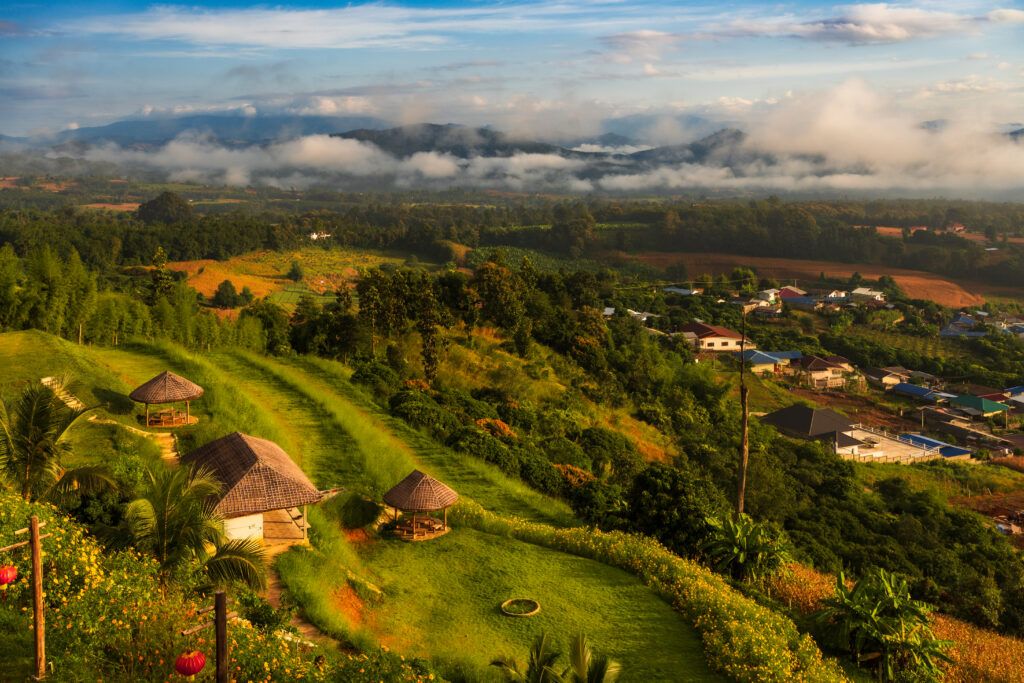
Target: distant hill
<point x="227" y="129"/>
<point x="721" y="148"/>
<point x="450" y="138"/>
<point x="1017" y="135"/>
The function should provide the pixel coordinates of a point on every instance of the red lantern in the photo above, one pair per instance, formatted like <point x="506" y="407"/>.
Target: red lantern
<point x="190" y="663"/>
<point x="8" y="574"/>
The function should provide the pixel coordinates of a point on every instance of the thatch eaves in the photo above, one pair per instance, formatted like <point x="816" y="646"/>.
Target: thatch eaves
<point x="166" y="388"/>
<point x="256" y="474"/>
<point x="420" y="493"/>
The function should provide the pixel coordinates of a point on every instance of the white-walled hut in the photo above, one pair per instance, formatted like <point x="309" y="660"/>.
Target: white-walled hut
<point x="419" y="495"/>
<point x="263" y="489"/>
<point x="163" y="389"/>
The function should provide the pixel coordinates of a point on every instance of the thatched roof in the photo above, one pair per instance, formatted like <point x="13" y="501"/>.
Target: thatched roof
<point x="257" y="475"/>
<point x="420" y="493"/>
<point x="166" y="388"/>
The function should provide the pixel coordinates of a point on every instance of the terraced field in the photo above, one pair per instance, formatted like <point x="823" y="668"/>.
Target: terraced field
<point x="437" y="599"/>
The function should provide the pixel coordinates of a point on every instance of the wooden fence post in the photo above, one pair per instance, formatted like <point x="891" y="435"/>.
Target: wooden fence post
<point x="220" y="625"/>
<point x="38" y="619"/>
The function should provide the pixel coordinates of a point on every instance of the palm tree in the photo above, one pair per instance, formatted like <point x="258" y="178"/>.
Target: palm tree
<point x="174" y="521"/>
<point x="539" y="669"/>
<point x="586" y="667"/>
<point x="880" y="624"/>
<point x="33" y="428"/>
<point x="745" y="549"/>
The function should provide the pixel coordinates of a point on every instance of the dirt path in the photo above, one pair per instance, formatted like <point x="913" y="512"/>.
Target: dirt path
<point x="165" y="440"/>
<point x="275" y="590"/>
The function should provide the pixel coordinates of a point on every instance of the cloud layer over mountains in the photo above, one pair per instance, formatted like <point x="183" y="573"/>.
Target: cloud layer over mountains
<point x="848" y="139"/>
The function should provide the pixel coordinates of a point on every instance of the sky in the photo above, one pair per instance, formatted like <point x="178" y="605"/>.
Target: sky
<point x="550" y="70"/>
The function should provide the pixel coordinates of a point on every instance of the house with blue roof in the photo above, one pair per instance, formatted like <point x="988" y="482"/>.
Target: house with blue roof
<point x="767" y="363"/>
<point x="803" y="303"/>
<point x="919" y="393"/>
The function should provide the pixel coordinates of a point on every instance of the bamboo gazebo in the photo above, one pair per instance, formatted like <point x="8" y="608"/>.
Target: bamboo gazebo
<point x="163" y="389"/>
<point x="420" y="495"/>
<point x="264" y="493"/>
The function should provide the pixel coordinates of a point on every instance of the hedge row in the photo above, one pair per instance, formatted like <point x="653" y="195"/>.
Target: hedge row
<point x="742" y="639"/>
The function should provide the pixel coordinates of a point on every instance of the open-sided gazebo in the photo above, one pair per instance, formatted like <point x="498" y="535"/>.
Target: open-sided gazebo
<point x="168" y="388"/>
<point x="263" y="489"/>
<point x="420" y="494"/>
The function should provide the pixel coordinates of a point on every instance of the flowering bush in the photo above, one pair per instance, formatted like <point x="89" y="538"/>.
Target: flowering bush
<point x="109" y="618"/>
<point x="742" y="639"/>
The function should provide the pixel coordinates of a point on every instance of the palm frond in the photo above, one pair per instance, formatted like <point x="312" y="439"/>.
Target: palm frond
<point x="238" y="560"/>
<point x="87" y="479"/>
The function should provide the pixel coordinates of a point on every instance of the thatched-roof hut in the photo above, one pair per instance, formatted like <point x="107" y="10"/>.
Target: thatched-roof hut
<point x="420" y="493"/>
<point x="167" y="388"/>
<point x="260" y="483"/>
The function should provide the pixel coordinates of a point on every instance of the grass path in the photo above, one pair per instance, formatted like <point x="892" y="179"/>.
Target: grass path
<point x="478" y="480"/>
<point x="440" y="598"/>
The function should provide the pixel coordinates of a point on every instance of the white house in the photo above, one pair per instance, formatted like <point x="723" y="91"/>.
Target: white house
<point x="866" y="294"/>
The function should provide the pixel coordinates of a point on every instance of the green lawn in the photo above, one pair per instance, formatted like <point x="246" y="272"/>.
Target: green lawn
<point x="442" y="597"/>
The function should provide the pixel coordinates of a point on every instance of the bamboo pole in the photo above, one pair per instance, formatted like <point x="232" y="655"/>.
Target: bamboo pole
<point x="38" y="618"/>
<point x="220" y="604"/>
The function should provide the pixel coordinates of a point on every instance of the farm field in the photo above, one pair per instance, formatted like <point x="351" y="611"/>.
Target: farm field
<point x="263" y="272"/>
<point x="122" y="206"/>
<point x="916" y="284"/>
<point x="327" y="425"/>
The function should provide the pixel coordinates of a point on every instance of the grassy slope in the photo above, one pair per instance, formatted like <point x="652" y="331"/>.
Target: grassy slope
<point x="309" y="408"/>
<point x="481" y="570"/>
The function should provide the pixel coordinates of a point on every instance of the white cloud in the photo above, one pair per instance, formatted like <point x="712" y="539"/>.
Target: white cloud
<point x="862" y="23"/>
<point x="1007" y="16"/>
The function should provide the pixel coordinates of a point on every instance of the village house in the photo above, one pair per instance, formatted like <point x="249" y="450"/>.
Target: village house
<point x="715" y="338"/>
<point x="803" y="303"/>
<point x="788" y="292"/>
<point x="769" y="295"/>
<point x="863" y="294"/>
<point x="834" y="372"/>
<point x="768" y="363"/>
<point x="886" y="378"/>
<point x="683" y="291"/>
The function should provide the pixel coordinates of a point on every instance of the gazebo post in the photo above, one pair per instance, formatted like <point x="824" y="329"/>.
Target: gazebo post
<point x="147" y="415"/>
<point x="187" y="412"/>
<point x="446" y="518"/>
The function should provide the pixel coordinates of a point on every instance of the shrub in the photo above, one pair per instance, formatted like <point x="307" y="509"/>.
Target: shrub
<point x="565" y="452"/>
<point x="877" y="622"/>
<point x="381" y="379"/>
<point x="744" y="549"/>
<point x="465" y="406"/>
<point x="611" y="449"/>
<point x="479" y="443"/>
<point x="539" y="473"/>
<point x="261" y="614"/>
<point x="419" y="410"/>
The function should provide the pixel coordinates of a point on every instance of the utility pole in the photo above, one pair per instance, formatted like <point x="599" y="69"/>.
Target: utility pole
<point x="741" y="492"/>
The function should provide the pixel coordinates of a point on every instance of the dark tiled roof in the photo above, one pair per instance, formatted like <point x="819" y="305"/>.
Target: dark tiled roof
<point x="801" y="420"/>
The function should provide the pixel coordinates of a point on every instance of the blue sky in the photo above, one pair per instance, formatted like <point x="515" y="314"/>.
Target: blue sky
<point x="551" y="69"/>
